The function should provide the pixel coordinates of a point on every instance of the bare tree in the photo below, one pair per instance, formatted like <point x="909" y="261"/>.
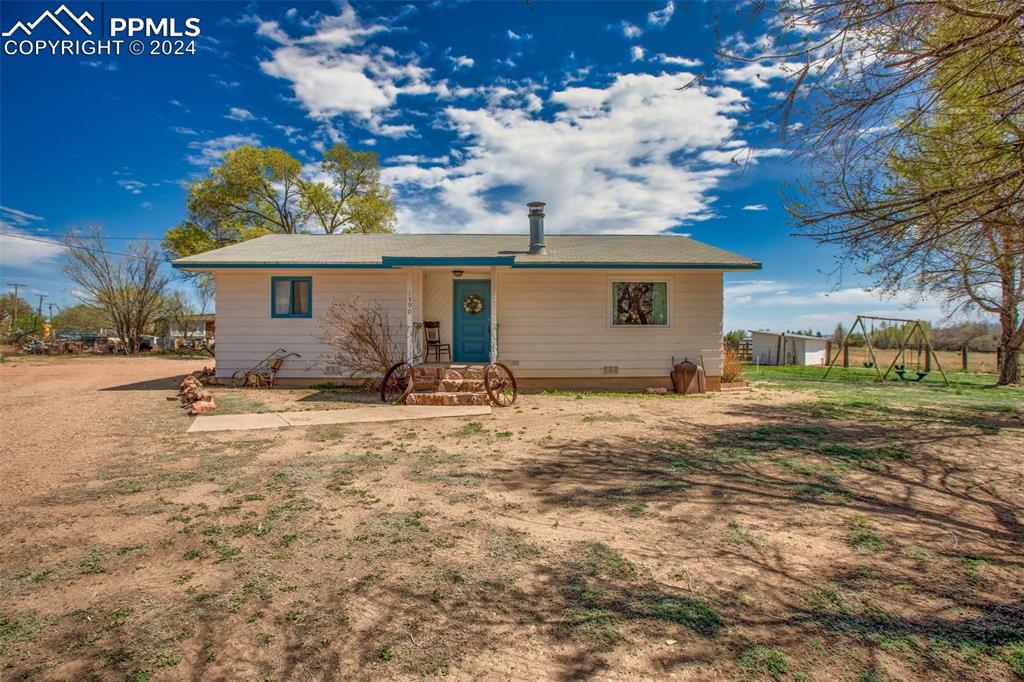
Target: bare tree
<point x="180" y="312"/>
<point x="361" y="338"/>
<point x="911" y="117"/>
<point x="863" y="76"/>
<point x="128" y="287"/>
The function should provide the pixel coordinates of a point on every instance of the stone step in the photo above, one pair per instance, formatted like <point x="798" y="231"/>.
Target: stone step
<point x="470" y="372"/>
<point x="447" y="398"/>
<point x="461" y="386"/>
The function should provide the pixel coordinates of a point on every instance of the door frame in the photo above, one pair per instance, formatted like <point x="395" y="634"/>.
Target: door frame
<point x="456" y="311"/>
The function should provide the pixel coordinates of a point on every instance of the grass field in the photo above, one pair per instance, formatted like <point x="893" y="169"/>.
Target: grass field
<point x="798" y="530"/>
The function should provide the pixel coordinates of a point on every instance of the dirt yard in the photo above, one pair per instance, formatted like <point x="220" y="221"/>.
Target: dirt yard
<point x="794" y="531"/>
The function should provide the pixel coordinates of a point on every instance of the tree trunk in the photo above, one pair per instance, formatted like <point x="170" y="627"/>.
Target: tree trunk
<point x="1009" y="368"/>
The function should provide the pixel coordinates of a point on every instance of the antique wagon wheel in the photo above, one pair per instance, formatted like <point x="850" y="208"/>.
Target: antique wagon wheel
<point x="500" y="384"/>
<point x="397" y="383"/>
<point x="240" y="378"/>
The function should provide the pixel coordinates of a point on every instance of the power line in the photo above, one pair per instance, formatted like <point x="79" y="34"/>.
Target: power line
<point x="84" y="248"/>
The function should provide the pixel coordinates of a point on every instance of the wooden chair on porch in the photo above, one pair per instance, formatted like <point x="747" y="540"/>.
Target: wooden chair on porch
<point x="432" y="330"/>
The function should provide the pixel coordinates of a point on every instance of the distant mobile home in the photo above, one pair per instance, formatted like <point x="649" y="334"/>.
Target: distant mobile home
<point x="562" y="311"/>
<point x="779" y="348"/>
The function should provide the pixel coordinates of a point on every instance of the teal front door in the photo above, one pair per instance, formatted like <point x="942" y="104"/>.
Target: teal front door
<point x="471" y="320"/>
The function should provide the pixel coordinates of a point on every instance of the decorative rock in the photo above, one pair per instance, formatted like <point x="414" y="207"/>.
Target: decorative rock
<point x="202" y="407"/>
<point x="656" y="389"/>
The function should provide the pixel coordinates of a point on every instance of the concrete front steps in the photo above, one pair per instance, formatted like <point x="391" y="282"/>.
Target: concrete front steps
<point x="448" y="385"/>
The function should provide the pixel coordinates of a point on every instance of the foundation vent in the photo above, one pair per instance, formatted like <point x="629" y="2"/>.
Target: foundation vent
<point x="610" y="369"/>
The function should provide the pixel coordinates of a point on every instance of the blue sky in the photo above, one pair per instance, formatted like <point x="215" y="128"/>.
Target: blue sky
<point x="474" y="108"/>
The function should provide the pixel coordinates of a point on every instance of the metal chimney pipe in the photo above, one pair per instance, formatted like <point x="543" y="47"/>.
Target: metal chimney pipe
<point x="537" y="227"/>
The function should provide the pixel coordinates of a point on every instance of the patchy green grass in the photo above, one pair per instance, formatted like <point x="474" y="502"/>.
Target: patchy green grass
<point x="860" y="534"/>
<point x="471" y="429"/>
<point x="719" y="540"/>
<point x="238" y="402"/>
<point x="764" y="661"/>
<point x="607" y="596"/>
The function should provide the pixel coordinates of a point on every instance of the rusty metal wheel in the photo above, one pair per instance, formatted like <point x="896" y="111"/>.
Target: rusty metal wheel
<point x="240" y="378"/>
<point x="500" y="385"/>
<point x="397" y="384"/>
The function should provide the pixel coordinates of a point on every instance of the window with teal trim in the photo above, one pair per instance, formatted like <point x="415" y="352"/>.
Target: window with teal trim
<point x="291" y="297"/>
<point x="640" y="304"/>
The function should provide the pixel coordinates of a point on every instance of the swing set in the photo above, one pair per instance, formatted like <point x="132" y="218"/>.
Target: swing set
<point x="912" y="339"/>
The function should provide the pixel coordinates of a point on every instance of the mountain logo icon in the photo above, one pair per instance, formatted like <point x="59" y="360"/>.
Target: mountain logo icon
<point x="69" y="16"/>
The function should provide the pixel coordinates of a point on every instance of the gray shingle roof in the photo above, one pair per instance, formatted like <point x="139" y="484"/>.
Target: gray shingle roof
<point x="382" y="250"/>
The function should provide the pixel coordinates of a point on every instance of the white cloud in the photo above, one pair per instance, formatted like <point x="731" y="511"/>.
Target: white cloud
<point x="462" y="62"/>
<point x="759" y="74"/>
<point x="755" y="207"/>
<point x="209" y="152"/>
<point x="633" y="147"/>
<point x="738" y="153"/>
<point x="133" y="186"/>
<point x="330" y="78"/>
<point x="631" y="30"/>
<point x="239" y="114"/>
<point x="684" y="62"/>
<point x="776" y="305"/>
<point x="636" y="53"/>
<point x="512" y="35"/>
<point x="21" y="249"/>
<point x="660" y="18"/>
<point x="182" y="130"/>
<point x="418" y="158"/>
<point x="98" y="64"/>
<point x="12" y="216"/>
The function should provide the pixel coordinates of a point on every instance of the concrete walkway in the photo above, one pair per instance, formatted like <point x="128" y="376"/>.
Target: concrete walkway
<point x="355" y="415"/>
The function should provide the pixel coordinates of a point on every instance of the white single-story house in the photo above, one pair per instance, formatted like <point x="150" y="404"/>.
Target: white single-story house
<point x="781" y="348"/>
<point x="571" y="311"/>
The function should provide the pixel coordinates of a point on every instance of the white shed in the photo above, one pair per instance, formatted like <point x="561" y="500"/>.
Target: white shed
<point x="780" y="348"/>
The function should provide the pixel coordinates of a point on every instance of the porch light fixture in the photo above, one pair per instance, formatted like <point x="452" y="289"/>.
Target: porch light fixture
<point x="456" y="273"/>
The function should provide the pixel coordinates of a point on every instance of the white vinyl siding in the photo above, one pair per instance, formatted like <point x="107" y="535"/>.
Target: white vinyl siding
<point x="555" y="323"/>
<point x="247" y="333"/>
<point x="551" y="323"/>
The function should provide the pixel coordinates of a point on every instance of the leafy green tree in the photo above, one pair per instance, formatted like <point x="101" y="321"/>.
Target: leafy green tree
<point x="734" y="337"/>
<point x="254" y="191"/>
<point x="972" y="253"/>
<point x="352" y="199"/>
<point x="27" y="319"/>
<point x="81" y="318"/>
<point x="260" y="190"/>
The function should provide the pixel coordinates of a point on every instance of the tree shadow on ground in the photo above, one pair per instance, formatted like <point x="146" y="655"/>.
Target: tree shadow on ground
<point x="778" y="457"/>
<point x="164" y="383"/>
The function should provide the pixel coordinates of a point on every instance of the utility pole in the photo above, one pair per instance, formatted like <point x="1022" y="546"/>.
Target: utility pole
<point x="40" y="312"/>
<point x="50" y="304"/>
<point x="14" y="323"/>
